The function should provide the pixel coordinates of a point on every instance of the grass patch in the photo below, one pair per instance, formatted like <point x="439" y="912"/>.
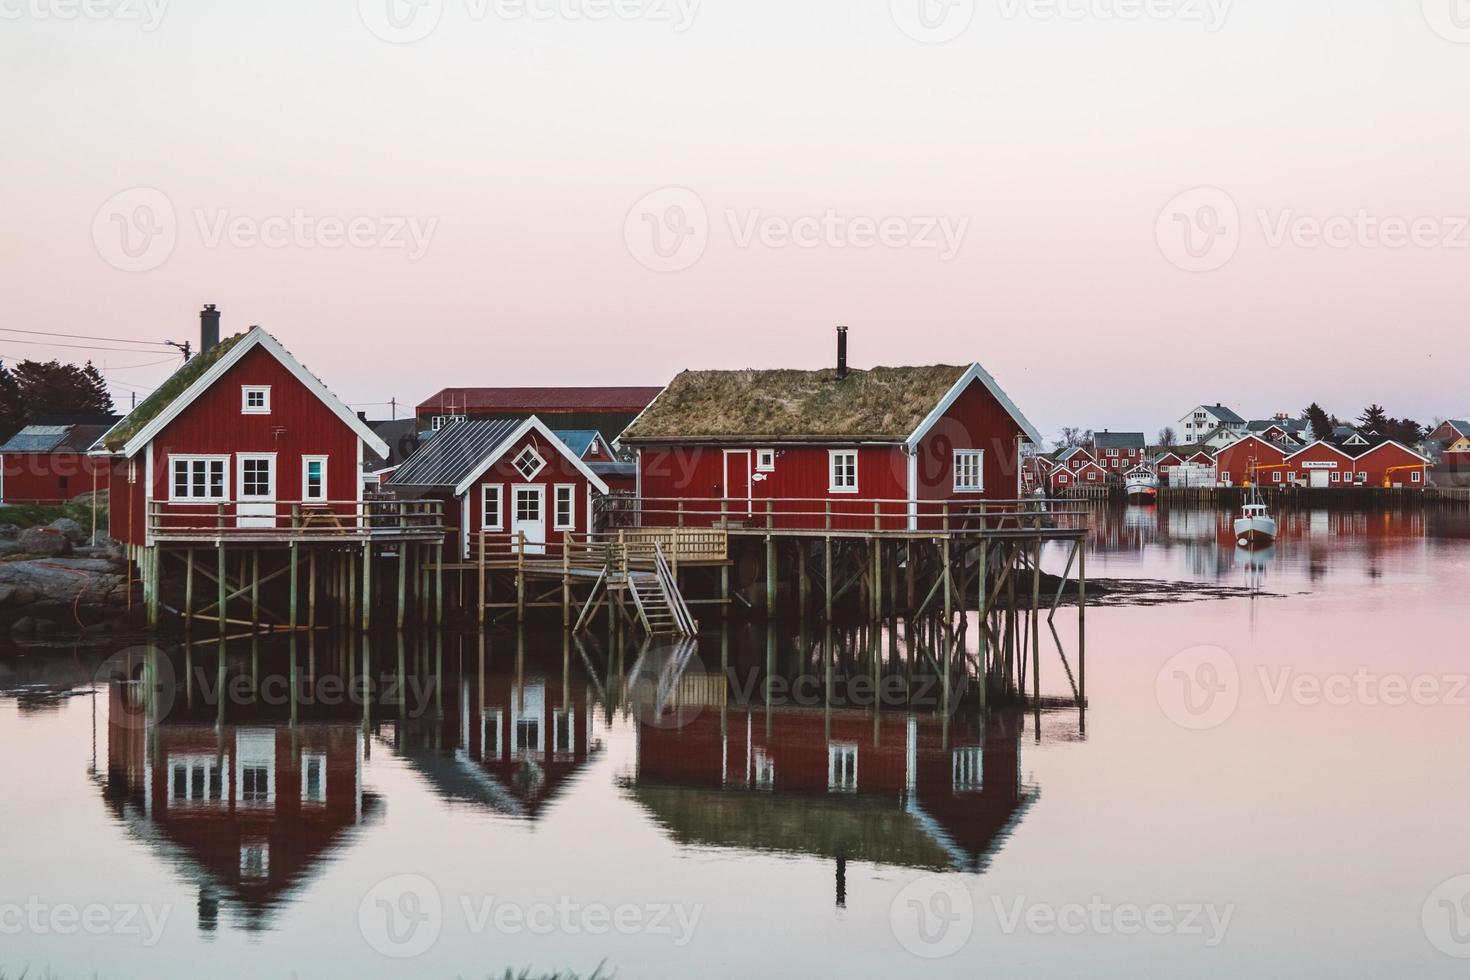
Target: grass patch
<point x="40" y="515"/>
<point x="154" y="405"/>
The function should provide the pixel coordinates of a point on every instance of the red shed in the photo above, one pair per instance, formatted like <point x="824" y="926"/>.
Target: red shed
<point x="886" y="448"/>
<point x="501" y="478"/>
<point x="1088" y="474"/>
<point x="1393" y="464"/>
<point x="1321" y="465"/>
<point x="47" y="464"/>
<point x="240" y="437"/>
<point x="1235" y="464"/>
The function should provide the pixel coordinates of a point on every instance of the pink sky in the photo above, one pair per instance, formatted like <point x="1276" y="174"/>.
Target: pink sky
<point x="1054" y="143"/>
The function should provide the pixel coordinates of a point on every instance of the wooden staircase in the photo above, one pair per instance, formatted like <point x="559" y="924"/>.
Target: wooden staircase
<point x="661" y="606"/>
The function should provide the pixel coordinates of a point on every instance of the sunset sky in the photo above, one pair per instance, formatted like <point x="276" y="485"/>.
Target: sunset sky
<point x="608" y="191"/>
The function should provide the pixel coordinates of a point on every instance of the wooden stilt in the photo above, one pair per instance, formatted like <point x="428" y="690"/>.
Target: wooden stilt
<point x="223" y="602"/>
<point x="367" y="587"/>
<point x="295" y="590"/>
<point x="827" y="575"/>
<point x="189" y="590"/>
<point x="439" y="584"/>
<point x="255" y="588"/>
<point x="311" y="589"/>
<point x="402" y="585"/>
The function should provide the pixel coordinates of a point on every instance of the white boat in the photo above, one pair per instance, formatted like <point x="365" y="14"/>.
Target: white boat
<point x="1141" y="483"/>
<point x="1254" y="525"/>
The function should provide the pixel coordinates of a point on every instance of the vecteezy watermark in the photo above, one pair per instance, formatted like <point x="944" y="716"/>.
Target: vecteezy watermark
<point x="1450" y="19"/>
<point x="932" y="21"/>
<point x="933" y="917"/>
<point x="1210" y="14"/>
<point x="1446" y="917"/>
<point x="407" y="21"/>
<point x="1198" y="688"/>
<point x="669" y="230"/>
<point x="148" y="14"/>
<point x="137" y="230"/>
<point x="1097" y="917"/>
<point x="403" y="916"/>
<point x="39" y="918"/>
<point x="1201" y="230"/>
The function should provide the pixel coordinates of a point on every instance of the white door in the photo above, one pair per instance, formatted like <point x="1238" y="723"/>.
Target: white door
<point x="528" y="517"/>
<point x="256" y="500"/>
<point x="1321" y="478"/>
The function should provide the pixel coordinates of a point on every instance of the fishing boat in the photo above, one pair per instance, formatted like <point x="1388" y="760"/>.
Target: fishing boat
<point x="1255" y="525"/>
<point x="1141" y="484"/>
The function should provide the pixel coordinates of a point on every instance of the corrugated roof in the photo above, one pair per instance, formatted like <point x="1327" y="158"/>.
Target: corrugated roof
<point x="539" y="401"/>
<point x="454" y="452"/>
<point x="53" y="438"/>
<point x="885" y="403"/>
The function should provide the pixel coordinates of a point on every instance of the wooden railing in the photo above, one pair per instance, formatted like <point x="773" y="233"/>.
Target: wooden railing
<point x="631" y="514"/>
<point x="286" y="519"/>
<point x="670" y="584"/>
<point x="622" y="550"/>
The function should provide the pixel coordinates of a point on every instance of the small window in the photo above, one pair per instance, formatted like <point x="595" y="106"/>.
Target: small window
<point x="1362" y="476"/>
<point x="440" y="421"/>
<point x="765" y="460"/>
<point x="1092" y="476"/>
<point x="314" y="479"/>
<point x="255" y="400"/>
<point x="1416" y="477"/>
<point x="843" y="463"/>
<point x="969" y="470"/>
<point x="1276" y="477"/>
<point x="529" y="463"/>
<point x="842" y="768"/>
<point x="566" y="507"/>
<point x="492" y="517"/>
<point x="1291" y="476"/>
<point x="257" y="477"/>
<point x="313" y="779"/>
<point x="968" y="769"/>
<point x="1336" y="477"/>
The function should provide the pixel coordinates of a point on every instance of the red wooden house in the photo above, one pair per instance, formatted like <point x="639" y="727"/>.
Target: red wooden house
<point x="1322" y="465"/>
<point x="1391" y="464"/>
<point x="1119" y="452"/>
<point x="240" y="438"/>
<point x="1075" y="457"/>
<point x="47" y="464"/>
<point x="1087" y="474"/>
<point x="501" y="479"/>
<point x="1253" y="460"/>
<point x="887" y="448"/>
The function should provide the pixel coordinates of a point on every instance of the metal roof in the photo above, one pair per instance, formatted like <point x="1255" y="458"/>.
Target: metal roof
<point x="540" y="401"/>
<point x="53" y="438"/>
<point x="1224" y="414"/>
<point x="1118" y="440"/>
<point x="454" y="452"/>
<point x="577" y="440"/>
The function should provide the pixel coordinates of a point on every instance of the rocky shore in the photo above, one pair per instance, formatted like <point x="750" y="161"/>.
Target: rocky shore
<point x="53" y="580"/>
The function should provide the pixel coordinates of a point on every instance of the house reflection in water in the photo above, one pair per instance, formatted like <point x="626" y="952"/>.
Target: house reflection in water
<point x="507" y="742"/>
<point x="895" y="789"/>
<point x="246" y="809"/>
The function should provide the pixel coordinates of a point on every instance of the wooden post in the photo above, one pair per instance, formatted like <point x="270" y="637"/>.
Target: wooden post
<point x="367" y="586"/>
<point x="803" y="585"/>
<point x="311" y="589"/>
<point x="771" y="584"/>
<point x="1082" y="622"/>
<point x="480" y="596"/>
<point x="439" y="584"/>
<point x="520" y="576"/>
<point x="827" y="572"/>
<point x="294" y="589"/>
<point x="1036" y="618"/>
<point x="153" y="555"/>
<point x="402" y="583"/>
<point x="222" y="602"/>
<point x="189" y="591"/>
<point x="566" y="582"/>
<point x="948" y="595"/>
<point x="255" y="588"/>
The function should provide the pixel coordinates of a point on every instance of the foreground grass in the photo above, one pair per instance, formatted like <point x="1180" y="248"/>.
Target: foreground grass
<point x="39" y="515"/>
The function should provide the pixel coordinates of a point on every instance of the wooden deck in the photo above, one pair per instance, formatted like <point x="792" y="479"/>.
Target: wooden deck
<point x="335" y="522"/>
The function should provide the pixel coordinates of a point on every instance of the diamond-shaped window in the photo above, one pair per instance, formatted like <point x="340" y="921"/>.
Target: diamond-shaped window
<point x="528" y="463"/>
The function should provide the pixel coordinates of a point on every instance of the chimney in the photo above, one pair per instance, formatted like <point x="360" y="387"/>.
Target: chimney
<point x="841" y="353"/>
<point x="208" y="327"/>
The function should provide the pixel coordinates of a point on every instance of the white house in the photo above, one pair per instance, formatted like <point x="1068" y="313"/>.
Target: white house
<point x="1197" y="423"/>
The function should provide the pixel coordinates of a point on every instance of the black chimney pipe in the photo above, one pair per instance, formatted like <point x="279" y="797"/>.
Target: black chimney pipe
<point x="208" y="327"/>
<point x="841" y="353"/>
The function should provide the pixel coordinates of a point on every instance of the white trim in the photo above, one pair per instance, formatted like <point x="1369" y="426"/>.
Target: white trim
<point x="305" y="493"/>
<point x="912" y="481"/>
<point x="246" y="391"/>
<point x="765" y="467"/>
<point x="255" y="338"/>
<point x="749" y="477"/>
<point x="974" y="373"/>
<point x="1400" y="445"/>
<point x="148" y="489"/>
<point x="223" y="458"/>
<point x="832" y="455"/>
<point x="1324" y="443"/>
<point x="980" y="455"/>
<point x="531" y="424"/>
<point x="556" y="489"/>
<point x="499" y="524"/>
<point x="529" y="453"/>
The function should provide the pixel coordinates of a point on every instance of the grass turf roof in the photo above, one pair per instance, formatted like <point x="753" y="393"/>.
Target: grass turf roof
<point x="881" y="403"/>
<point x="178" y="382"/>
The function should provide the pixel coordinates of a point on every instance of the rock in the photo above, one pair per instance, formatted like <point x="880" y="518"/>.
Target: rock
<point x="9" y="532"/>
<point x="6" y="592"/>
<point x="23" y="625"/>
<point x="45" y="541"/>
<point x="11" y="547"/>
<point x="70" y="528"/>
<point x="45" y="626"/>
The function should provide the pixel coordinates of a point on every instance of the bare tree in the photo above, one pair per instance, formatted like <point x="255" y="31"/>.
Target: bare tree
<point x="1167" y="436"/>
<point x="1071" y="435"/>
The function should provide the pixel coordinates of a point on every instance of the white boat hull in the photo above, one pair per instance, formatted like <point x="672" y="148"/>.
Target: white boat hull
<point x="1255" y="530"/>
<point x="1142" y="488"/>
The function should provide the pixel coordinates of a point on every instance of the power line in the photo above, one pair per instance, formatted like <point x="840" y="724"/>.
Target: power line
<point x="46" y="343"/>
<point x="81" y="336"/>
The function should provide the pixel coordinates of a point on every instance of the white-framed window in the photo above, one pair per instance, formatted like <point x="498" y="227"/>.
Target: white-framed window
<point x="842" y="768"/>
<point x="490" y="725"/>
<point x="255" y="768"/>
<point x="199" y="479"/>
<point x="255" y="860"/>
<point x="1416" y="477"/>
<point x="764" y="767"/>
<point x="1092" y="476"/>
<point x="1112" y="452"/>
<point x="1336" y="477"/>
<point x="968" y="769"/>
<point x="195" y="779"/>
<point x="257" y="476"/>
<point x="563" y="728"/>
<point x="565" y="512"/>
<point x="1276" y="476"/>
<point x="1291" y="476"/>
<point x="529" y="462"/>
<point x="313" y="778"/>
<point x="1362" y="476"/>
<point x="492" y="511"/>
<point x="313" y="478"/>
<point x="969" y="470"/>
<point x="525" y="734"/>
<point x="842" y="470"/>
<point x="440" y="421"/>
<point x="765" y="460"/>
<point x="255" y="399"/>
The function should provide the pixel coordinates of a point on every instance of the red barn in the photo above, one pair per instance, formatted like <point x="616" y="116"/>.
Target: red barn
<point x="241" y="437"/>
<point x="1321" y="465"/>
<point x="1235" y="464"/>
<point x="501" y="478"/>
<point x="887" y="448"/>
<point x="1392" y="464"/>
<point x="47" y="464"/>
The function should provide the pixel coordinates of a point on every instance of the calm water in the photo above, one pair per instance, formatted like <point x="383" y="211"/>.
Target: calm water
<point x="1264" y="784"/>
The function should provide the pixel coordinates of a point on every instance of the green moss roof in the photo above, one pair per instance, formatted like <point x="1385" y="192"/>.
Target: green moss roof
<point x="881" y="403"/>
<point x="158" y="402"/>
